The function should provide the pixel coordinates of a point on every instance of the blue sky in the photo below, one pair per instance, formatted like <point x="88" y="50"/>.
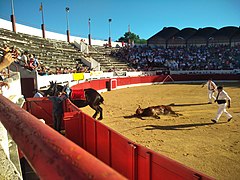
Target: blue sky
<point x="145" y="17"/>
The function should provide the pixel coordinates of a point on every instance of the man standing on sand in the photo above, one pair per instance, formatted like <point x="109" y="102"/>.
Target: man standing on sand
<point x="223" y="101"/>
<point x="211" y="87"/>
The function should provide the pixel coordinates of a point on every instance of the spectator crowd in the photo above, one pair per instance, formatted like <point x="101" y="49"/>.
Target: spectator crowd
<point x="30" y="62"/>
<point x="145" y="58"/>
<point x="219" y="57"/>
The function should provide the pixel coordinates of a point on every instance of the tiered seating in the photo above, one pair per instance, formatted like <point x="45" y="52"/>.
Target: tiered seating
<point x="51" y="53"/>
<point x="102" y="55"/>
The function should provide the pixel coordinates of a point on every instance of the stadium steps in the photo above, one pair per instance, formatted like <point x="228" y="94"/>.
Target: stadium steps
<point x="50" y="53"/>
<point x="102" y="55"/>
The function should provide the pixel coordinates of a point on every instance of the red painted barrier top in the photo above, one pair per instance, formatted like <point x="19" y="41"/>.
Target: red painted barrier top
<point x="50" y="154"/>
<point x="78" y="94"/>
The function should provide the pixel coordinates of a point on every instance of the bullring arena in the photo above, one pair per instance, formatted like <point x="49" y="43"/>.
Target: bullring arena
<point x="191" y="139"/>
<point x="189" y="146"/>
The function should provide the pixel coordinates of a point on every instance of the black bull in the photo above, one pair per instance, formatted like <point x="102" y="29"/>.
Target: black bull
<point x="92" y="98"/>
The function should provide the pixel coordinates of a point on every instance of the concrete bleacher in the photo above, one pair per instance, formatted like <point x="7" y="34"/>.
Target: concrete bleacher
<point x="102" y="55"/>
<point x="56" y="53"/>
<point x="51" y="53"/>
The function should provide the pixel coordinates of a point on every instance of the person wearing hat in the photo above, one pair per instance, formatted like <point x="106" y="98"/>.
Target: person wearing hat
<point x="223" y="101"/>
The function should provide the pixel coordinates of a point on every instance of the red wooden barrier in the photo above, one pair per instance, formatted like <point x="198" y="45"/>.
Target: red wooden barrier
<point x="131" y="160"/>
<point x="51" y="155"/>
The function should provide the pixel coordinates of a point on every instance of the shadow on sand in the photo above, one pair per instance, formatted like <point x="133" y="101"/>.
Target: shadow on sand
<point x="130" y="116"/>
<point x="180" y="126"/>
<point x="190" y="104"/>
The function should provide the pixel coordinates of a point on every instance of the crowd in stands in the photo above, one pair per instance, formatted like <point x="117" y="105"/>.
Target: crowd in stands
<point x="144" y="58"/>
<point x="219" y="57"/>
<point x="31" y="62"/>
<point x="45" y="70"/>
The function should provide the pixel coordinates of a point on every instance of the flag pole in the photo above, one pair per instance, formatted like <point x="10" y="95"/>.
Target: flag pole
<point x="89" y="34"/>
<point x="13" y="19"/>
<point x="68" y="31"/>
<point x="42" y="26"/>
<point x="109" y="39"/>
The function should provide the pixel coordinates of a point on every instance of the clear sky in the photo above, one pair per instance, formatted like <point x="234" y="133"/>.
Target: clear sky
<point x="145" y="17"/>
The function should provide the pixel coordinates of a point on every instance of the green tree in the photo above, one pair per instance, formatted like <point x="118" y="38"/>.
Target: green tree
<point x="130" y="37"/>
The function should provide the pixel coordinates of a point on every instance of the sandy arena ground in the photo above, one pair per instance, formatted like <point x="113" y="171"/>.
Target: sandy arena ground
<point x="191" y="139"/>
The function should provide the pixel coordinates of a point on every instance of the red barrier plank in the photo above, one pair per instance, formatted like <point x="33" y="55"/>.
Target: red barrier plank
<point x="90" y="135"/>
<point x="121" y="155"/>
<point x="50" y="154"/>
<point x="40" y="108"/>
<point x="103" y="143"/>
<point x="73" y="129"/>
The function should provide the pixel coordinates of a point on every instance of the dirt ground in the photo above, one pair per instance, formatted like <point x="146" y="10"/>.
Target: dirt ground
<point x="191" y="139"/>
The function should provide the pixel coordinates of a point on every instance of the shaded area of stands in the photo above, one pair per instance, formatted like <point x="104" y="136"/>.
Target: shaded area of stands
<point x="219" y="57"/>
<point x="171" y="36"/>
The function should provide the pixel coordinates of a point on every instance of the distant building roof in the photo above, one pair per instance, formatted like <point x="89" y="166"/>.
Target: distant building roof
<point x="172" y="35"/>
<point x="205" y="32"/>
<point x="227" y="32"/>
<point x="165" y="33"/>
<point x="185" y="33"/>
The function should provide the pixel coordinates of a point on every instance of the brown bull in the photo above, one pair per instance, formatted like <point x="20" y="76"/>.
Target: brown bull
<point x="155" y="111"/>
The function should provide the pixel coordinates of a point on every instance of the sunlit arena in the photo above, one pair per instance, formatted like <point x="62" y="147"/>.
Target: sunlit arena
<point x="192" y="138"/>
<point x="86" y="94"/>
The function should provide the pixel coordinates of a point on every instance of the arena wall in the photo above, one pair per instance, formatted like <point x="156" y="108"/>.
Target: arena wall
<point x="128" y="158"/>
<point x="52" y="35"/>
<point x="99" y="140"/>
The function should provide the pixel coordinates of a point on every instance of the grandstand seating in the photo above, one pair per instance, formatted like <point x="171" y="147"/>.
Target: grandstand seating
<point x="219" y="57"/>
<point x="56" y="53"/>
<point x="50" y="53"/>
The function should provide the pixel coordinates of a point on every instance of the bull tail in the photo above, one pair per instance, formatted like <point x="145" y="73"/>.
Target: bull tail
<point x="101" y="100"/>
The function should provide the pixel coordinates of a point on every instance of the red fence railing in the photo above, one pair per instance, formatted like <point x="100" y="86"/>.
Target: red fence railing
<point x="51" y="155"/>
<point x="126" y="157"/>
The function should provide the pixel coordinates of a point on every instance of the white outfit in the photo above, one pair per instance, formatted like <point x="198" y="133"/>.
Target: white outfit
<point x="211" y="86"/>
<point x="37" y="94"/>
<point x="222" y="106"/>
<point x="24" y="59"/>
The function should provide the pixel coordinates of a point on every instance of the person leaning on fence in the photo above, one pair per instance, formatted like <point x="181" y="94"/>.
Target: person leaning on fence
<point x="223" y="101"/>
<point x="57" y="109"/>
<point x="211" y="87"/>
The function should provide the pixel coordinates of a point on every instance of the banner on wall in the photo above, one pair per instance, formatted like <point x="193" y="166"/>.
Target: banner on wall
<point x="96" y="73"/>
<point x="78" y="76"/>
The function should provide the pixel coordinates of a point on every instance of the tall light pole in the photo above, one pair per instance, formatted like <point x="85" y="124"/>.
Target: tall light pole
<point x="68" y="31"/>
<point x="42" y="25"/>
<point x="109" y="39"/>
<point x="129" y="32"/>
<point x="13" y="19"/>
<point x="89" y="32"/>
